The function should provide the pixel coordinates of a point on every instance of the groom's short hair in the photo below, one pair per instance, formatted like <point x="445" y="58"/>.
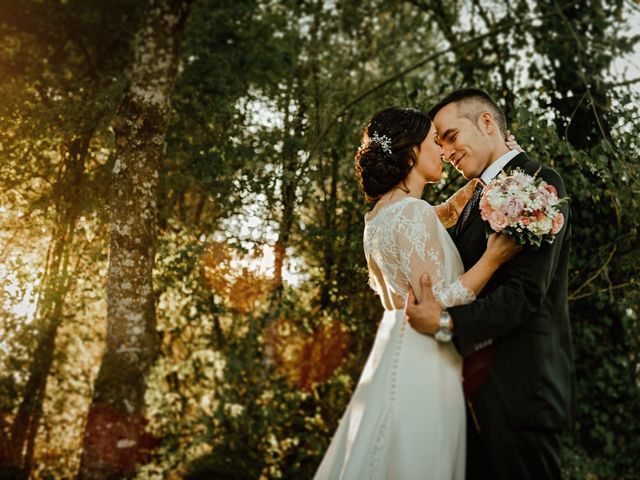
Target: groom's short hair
<point x="472" y="102"/>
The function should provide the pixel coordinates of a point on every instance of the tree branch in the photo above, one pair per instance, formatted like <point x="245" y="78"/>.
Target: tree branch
<point x="582" y="75"/>
<point x="624" y="83"/>
<point x="415" y="66"/>
<point x="631" y="283"/>
<point x="596" y="274"/>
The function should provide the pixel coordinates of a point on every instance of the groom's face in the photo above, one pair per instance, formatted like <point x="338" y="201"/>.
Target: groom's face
<point x="464" y="144"/>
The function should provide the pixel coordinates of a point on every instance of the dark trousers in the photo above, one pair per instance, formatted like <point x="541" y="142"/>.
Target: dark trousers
<point x="512" y="455"/>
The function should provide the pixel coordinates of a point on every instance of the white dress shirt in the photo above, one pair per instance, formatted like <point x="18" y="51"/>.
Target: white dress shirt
<point x="494" y="169"/>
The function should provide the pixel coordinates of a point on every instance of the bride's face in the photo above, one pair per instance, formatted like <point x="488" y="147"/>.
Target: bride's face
<point x="429" y="164"/>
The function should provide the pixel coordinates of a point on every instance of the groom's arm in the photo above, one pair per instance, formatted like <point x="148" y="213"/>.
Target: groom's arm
<point x="515" y="301"/>
<point x="512" y="303"/>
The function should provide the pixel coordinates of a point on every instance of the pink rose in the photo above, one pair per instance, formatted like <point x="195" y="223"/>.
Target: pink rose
<point x="525" y="221"/>
<point x="551" y="189"/>
<point x="498" y="221"/>
<point x="557" y="223"/>
<point x="485" y="211"/>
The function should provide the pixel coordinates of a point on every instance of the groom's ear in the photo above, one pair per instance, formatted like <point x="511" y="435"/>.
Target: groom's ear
<point x="487" y="123"/>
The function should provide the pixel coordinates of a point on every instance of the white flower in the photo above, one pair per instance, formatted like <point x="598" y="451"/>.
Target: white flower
<point x="496" y="199"/>
<point x="541" y="227"/>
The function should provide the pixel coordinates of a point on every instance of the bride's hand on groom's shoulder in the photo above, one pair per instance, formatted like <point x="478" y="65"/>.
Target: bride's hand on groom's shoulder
<point x="512" y="143"/>
<point x="423" y="315"/>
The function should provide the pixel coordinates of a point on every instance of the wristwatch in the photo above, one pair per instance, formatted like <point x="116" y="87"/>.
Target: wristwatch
<point x="444" y="332"/>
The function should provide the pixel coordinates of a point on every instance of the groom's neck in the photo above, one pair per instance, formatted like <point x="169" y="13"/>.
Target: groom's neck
<point x="499" y="151"/>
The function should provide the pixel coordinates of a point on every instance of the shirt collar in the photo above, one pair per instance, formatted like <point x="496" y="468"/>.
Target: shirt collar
<point x="492" y="170"/>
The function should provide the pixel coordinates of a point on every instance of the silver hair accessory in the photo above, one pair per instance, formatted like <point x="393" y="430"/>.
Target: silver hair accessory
<point x="382" y="140"/>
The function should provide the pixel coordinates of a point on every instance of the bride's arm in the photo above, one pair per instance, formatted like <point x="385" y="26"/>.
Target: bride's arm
<point x="422" y="252"/>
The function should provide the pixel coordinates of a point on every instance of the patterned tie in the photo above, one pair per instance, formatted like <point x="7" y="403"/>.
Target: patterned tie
<point x="473" y="202"/>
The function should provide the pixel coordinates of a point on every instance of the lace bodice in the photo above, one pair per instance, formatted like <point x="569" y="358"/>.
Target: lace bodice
<point x="405" y="240"/>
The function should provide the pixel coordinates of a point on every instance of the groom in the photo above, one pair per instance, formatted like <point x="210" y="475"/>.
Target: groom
<point x="515" y="338"/>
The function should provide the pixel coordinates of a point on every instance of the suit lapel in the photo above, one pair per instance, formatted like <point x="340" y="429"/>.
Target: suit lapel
<point x="517" y="161"/>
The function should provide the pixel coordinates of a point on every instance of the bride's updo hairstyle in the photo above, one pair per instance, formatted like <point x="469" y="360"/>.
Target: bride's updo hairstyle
<point x="387" y="153"/>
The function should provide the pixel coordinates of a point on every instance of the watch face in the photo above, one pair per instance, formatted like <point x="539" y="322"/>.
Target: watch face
<point x="445" y="321"/>
<point x="442" y="336"/>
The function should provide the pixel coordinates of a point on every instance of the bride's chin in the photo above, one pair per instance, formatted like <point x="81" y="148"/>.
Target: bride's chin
<point x="434" y="179"/>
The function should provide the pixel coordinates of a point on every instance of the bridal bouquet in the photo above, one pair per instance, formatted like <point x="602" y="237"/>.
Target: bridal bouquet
<point x="523" y="206"/>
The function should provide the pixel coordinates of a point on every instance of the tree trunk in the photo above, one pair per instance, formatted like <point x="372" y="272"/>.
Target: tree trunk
<point x="284" y="232"/>
<point x="114" y="438"/>
<point x="330" y="213"/>
<point x="16" y="452"/>
<point x="291" y="162"/>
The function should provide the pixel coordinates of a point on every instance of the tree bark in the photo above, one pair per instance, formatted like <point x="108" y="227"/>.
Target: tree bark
<point x="114" y="438"/>
<point x="294" y="130"/>
<point x="330" y="206"/>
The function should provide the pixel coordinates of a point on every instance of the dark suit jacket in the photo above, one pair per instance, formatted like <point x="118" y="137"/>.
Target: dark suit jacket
<point x="524" y="378"/>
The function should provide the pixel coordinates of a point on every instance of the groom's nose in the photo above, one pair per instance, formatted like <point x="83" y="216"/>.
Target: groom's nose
<point x="448" y="153"/>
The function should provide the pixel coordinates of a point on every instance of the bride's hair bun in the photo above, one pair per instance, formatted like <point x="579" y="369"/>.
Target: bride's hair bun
<point x="378" y="172"/>
<point x="386" y="155"/>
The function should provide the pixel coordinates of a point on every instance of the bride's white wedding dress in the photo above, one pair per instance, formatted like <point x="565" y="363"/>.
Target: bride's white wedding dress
<point x="406" y="418"/>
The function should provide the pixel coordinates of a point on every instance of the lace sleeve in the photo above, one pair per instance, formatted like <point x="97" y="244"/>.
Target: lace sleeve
<point x="449" y="211"/>
<point x="421" y="251"/>
<point x="372" y="282"/>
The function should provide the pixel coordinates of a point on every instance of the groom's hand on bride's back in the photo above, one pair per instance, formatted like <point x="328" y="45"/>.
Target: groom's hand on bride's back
<point x="423" y="315"/>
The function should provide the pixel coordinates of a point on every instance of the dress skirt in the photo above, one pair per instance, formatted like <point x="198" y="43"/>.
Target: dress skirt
<point x="406" y="417"/>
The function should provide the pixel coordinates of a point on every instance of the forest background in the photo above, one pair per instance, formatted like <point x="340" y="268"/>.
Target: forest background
<point x="183" y="292"/>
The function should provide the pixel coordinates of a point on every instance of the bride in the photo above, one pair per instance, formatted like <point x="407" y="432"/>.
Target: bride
<point x="406" y="418"/>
